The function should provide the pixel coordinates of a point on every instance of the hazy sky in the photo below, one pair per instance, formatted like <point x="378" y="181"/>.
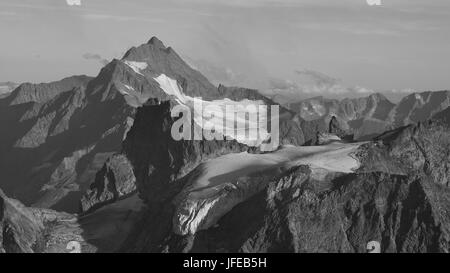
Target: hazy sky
<point x="398" y="45"/>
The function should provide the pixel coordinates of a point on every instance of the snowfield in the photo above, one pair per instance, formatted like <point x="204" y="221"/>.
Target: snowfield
<point x="218" y="185"/>
<point x="334" y="157"/>
<point x="216" y="114"/>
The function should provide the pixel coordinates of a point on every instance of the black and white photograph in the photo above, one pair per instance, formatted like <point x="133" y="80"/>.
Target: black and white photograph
<point x="224" y="131"/>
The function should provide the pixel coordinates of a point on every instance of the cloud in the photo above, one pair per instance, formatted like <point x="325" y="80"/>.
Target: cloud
<point x="120" y="18"/>
<point x="7" y="13"/>
<point x="361" y="90"/>
<point x="309" y="83"/>
<point x="356" y="28"/>
<point x="97" y="57"/>
<point x="403" y="91"/>
<point x="215" y="73"/>
<point x="73" y="2"/>
<point x="314" y="82"/>
<point x="317" y="78"/>
<point x="283" y="84"/>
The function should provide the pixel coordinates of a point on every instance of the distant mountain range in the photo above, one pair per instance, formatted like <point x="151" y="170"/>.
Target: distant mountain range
<point x="94" y="162"/>
<point x="372" y="115"/>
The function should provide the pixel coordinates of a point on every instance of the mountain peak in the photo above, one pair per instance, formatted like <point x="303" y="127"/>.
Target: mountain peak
<point x="152" y="47"/>
<point x="156" y="42"/>
<point x="156" y="59"/>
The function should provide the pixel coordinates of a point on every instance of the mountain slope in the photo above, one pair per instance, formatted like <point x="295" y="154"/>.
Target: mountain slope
<point x="419" y="107"/>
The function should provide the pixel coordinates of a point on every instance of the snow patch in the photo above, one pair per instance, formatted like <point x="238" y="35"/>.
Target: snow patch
<point x="171" y="87"/>
<point x="420" y="98"/>
<point x="124" y="91"/>
<point x="129" y="87"/>
<point x="137" y="66"/>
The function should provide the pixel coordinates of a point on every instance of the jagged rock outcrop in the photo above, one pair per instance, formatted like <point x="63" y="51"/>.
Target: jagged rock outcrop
<point x="114" y="181"/>
<point x="334" y="133"/>
<point x="335" y="128"/>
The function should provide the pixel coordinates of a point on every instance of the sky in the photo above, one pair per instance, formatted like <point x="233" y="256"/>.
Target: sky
<point x="310" y="46"/>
